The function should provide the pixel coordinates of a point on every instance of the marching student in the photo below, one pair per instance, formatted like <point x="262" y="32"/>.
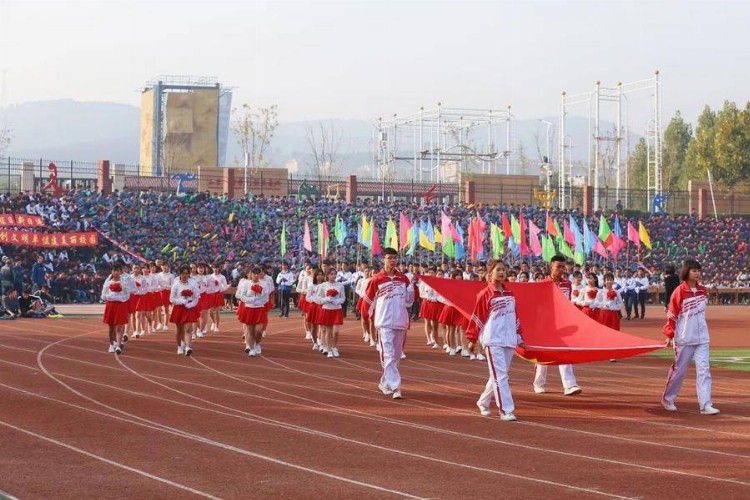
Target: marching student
<point x="577" y="289"/>
<point x="368" y="333"/>
<point x="450" y="319"/>
<point x="687" y="331"/>
<point x="254" y="295"/>
<point x="313" y="310"/>
<point x="184" y="298"/>
<point x="303" y="285"/>
<point x="587" y="300"/>
<point x="206" y="298"/>
<point x="128" y="279"/>
<point x="495" y="324"/>
<point x="570" y="386"/>
<point x="285" y="280"/>
<point x="150" y="281"/>
<point x="387" y="300"/>
<point x="116" y="293"/>
<point x="631" y="294"/>
<point x="217" y="285"/>
<point x="332" y="296"/>
<point x="641" y="291"/>
<point x="141" y="302"/>
<point x="430" y="312"/>
<point x="268" y="283"/>
<point x="609" y="304"/>
<point x="166" y="279"/>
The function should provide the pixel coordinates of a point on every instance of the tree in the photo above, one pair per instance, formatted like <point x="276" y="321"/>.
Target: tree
<point x="523" y="160"/>
<point x="5" y="137"/>
<point x="700" y="154"/>
<point x="732" y="146"/>
<point x="254" y="129"/>
<point x="677" y="137"/>
<point x="638" y="166"/>
<point x="324" y="142"/>
<point x="176" y="150"/>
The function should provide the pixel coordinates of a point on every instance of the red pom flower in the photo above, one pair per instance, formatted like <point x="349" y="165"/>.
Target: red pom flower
<point x="138" y="284"/>
<point x="115" y="287"/>
<point x="216" y="282"/>
<point x="257" y="289"/>
<point x="576" y="293"/>
<point x="611" y="294"/>
<point x="187" y="293"/>
<point x="591" y="294"/>
<point x="332" y="292"/>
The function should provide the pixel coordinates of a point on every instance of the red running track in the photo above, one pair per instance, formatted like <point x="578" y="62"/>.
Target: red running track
<point x="79" y="422"/>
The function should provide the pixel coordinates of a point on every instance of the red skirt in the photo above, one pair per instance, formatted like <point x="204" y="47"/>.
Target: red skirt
<point x="609" y="318"/>
<point x="450" y="316"/>
<point x="132" y="304"/>
<point x="312" y="311"/>
<point x="154" y="300"/>
<point x="165" y="295"/>
<point x="330" y="317"/>
<point x="430" y="310"/>
<point x="464" y="323"/>
<point x="141" y="303"/>
<point x="591" y="313"/>
<point x="301" y="302"/>
<point x="181" y="314"/>
<point x="253" y="315"/>
<point x="358" y="305"/>
<point x="116" y="313"/>
<point x="271" y="303"/>
<point x="218" y="299"/>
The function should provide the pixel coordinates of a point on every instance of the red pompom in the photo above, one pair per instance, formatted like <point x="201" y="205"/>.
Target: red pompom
<point x="187" y="293"/>
<point x="257" y="289"/>
<point x="115" y="287"/>
<point x="216" y="282"/>
<point x="138" y="284"/>
<point x="575" y="293"/>
<point x="591" y="293"/>
<point x="332" y="292"/>
<point x="611" y="294"/>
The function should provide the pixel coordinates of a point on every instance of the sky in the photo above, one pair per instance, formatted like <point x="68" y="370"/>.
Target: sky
<point x="362" y="59"/>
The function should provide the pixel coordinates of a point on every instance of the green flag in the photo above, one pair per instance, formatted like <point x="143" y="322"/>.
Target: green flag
<point x="604" y="231"/>
<point x="496" y="241"/>
<point x="391" y="235"/>
<point x="449" y="248"/>
<point x="565" y="249"/>
<point x="560" y="236"/>
<point x="548" y="248"/>
<point x="515" y="228"/>
<point x="337" y="230"/>
<point x="283" y="240"/>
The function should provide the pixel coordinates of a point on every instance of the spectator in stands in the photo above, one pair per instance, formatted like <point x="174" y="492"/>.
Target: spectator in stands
<point x="6" y="277"/>
<point x="10" y="307"/>
<point x="38" y="272"/>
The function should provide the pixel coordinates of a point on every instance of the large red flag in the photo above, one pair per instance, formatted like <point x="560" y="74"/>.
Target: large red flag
<point x="555" y="331"/>
<point x="507" y="230"/>
<point x="569" y="236"/>
<point x="404" y="226"/>
<point x="551" y="229"/>
<point x="524" y="244"/>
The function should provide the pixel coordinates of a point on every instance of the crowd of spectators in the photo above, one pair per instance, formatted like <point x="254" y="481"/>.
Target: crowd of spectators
<point x="210" y="228"/>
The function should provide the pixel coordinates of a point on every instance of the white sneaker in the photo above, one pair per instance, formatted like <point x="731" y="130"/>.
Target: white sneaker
<point x="668" y="406"/>
<point x="429" y="342"/>
<point x="434" y="346"/>
<point x="315" y="346"/>
<point x="366" y="339"/>
<point x="180" y="350"/>
<point x="709" y="410"/>
<point x="481" y="357"/>
<point x="465" y="353"/>
<point x="188" y="351"/>
<point x="247" y="350"/>
<point x="258" y="350"/>
<point x="111" y="348"/>
<point x="158" y="327"/>
<point x="213" y="327"/>
<point x="539" y="390"/>
<point x="118" y="349"/>
<point x="165" y="328"/>
<point x="330" y="354"/>
<point x="200" y="334"/>
<point x="397" y="394"/>
<point x="263" y="335"/>
<point x="508" y="417"/>
<point x="472" y="358"/>
<point x="252" y="352"/>
<point x="308" y="336"/>
<point x="445" y="347"/>
<point x="216" y="329"/>
<point x="192" y="336"/>
<point x="572" y="391"/>
<point x="335" y="352"/>
<point x="484" y="410"/>
<point x="384" y="389"/>
<point x="452" y="352"/>
<point x="459" y="349"/>
<point x="403" y="355"/>
<point x="124" y="337"/>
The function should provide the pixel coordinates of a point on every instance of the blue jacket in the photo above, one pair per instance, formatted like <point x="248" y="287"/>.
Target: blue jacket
<point x="37" y="273"/>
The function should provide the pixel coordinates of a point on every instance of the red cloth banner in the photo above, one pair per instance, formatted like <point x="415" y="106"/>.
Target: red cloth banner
<point x="48" y="240"/>
<point x="555" y="331"/>
<point x="21" y="220"/>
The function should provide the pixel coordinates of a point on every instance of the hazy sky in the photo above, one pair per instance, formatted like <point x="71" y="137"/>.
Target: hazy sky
<point x="361" y="59"/>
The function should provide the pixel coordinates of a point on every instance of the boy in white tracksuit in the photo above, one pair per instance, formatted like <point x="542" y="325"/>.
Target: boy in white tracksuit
<point x="687" y="331"/>
<point x="495" y="324"/>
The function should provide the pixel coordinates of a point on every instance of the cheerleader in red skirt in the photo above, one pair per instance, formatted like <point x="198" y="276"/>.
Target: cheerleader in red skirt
<point x="450" y="319"/>
<point x="166" y="280"/>
<point x="116" y="293"/>
<point x="152" y="293"/>
<point x="139" y="290"/>
<point x="430" y="312"/>
<point x="128" y="281"/>
<point x="312" y="308"/>
<point x="609" y="304"/>
<point x="303" y="286"/>
<point x="218" y="285"/>
<point x="205" y="302"/>
<point x="369" y="334"/>
<point x="331" y="315"/>
<point x="271" y="287"/>
<point x="184" y="298"/>
<point x="577" y="289"/>
<point x="254" y="296"/>
<point x="588" y="300"/>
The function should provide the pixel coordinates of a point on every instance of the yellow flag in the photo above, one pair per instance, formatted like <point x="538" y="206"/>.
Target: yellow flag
<point x="438" y="236"/>
<point x="425" y="242"/>
<point x="231" y="217"/>
<point x="643" y="235"/>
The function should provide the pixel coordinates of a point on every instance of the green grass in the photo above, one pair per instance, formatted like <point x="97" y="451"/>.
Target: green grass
<point x="732" y="359"/>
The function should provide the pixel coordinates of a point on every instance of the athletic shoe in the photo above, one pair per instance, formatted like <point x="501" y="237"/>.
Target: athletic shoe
<point x="335" y="352"/>
<point x="158" y="327"/>
<point x="258" y="350"/>
<point x="403" y="355"/>
<point x="397" y="394"/>
<point x="200" y="334"/>
<point x="192" y="336"/>
<point x="111" y="348"/>
<point x="263" y="334"/>
<point x="459" y="349"/>
<point x="366" y="339"/>
<point x="668" y="406"/>
<point x="451" y="352"/>
<point x="247" y="350"/>
<point x="709" y="410"/>
<point x="188" y="351"/>
<point x="539" y="390"/>
<point x="315" y="346"/>
<point x="508" y="417"/>
<point x="308" y="336"/>
<point x="572" y="391"/>
<point x="434" y="346"/>
<point x="216" y="329"/>
<point x="124" y="337"/>
<point x="118" y="349"/>
<point x="481" y="357"/>
<point x="384" y="389"/>
<point x="372" y="343"/>
<point x="252" y="352"/>
<point x="465" y="353"/>
<point x="165" y="328"/>
<point x="180" y="350"/>
<point x="472" y="358"/>
<point x="446" y="347"/>
<point x="484" y="410"/>
<point x="330" y="354"/>
<point x="429" y="342"/>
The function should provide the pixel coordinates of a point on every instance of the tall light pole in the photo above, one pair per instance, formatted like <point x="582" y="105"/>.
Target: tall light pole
<point x="547" y="164"/>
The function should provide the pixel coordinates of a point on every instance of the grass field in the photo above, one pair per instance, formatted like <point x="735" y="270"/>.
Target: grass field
<point x="731" y="359"/>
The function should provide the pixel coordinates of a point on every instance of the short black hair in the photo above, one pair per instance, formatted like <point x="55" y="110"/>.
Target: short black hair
<point x="669" y="269"/>
<point x="557" y="258"/>
<point x="687" y="266"/>
<point x="390" y="251"/>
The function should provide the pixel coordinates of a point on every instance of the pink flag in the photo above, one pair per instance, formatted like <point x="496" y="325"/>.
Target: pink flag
<point x="536" y="247"/>
<point x="404" y="226"/>
<point x="307" y="242"/>
<point x="454" y="233"/>
<point x="599" y="248"/>
<point x="569" y="236"/>
<point x="325" y="240"/>
<point x="445" y="224"/>
<point x="375" y="250"/>
<point x="524" y="245"/>
<point x="633" y="235"/>
<point x="616" y="245"/>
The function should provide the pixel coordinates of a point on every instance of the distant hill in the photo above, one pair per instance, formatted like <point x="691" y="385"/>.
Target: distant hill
<point x="87" y="131"/>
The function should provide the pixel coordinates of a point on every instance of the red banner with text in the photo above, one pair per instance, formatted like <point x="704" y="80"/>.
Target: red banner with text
<point x="49" y="240"/>
<point x="21" y="220"/>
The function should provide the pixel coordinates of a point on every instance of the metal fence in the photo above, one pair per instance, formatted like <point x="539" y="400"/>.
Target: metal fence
<point x="71" y="174"/>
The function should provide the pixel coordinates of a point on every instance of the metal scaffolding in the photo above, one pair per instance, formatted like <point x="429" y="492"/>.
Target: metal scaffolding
<point x="618" y="138"/>
<point x="440" y="143"/>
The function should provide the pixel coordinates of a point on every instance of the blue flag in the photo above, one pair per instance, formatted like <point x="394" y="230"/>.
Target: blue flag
<point x="460" y="251"/>
<point x="588" y="239"/>
<point x="618" y="227"/>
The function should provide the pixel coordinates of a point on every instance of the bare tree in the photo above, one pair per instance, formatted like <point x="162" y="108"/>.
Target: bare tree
<point x="5" y="137"/>
<point x="176" y="150"/>
<point x="325" y="146"/>
<point x="255" y="129"/>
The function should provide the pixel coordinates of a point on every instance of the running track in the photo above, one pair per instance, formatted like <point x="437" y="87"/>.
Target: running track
<point x="78" y="422"/>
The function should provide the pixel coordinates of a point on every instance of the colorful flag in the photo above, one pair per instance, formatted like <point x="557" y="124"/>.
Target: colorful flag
<point x="599" y="248"/>
<point x="391" y="235"/>
<point x="231" y="217"/>
<point x="548" y="248"/>
<point x="460" y="251"/>
<point x="404" y="229"/>
<point x="515" y="228"/>
<point x="507" y="231"/>
<point x="424" y="241"/>
<point x="445" y="224"/>
<point x="551" y="226"/>
<point x="605" y="233"/>
<point x="449" y="248"/>
<point x="618" y="228"/>
<point x="283" y="239"/>
<point x="375" y="249"/>
<point x="536" y="247"/>
<point x="616" y="245"/>
<point x="306" y="240"/>
<point x="589" y="239"/>
<point x="366" y="232"/>
<point x="569" y="236"/>
<point x="337" y="231"/>
<point x="643" y="235"/>
<point x="633" y="235"/>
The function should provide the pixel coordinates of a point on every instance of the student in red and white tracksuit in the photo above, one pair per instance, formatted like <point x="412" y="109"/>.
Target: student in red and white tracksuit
<point x="206" y="299"/>
<point x="331" y="317"/>
<point x="495" y="324"/>
<point x="687" y="330"/>
<point x="184" y="298"/>
<point x="116" y="293"/>
<point x="430" y="312"/>
<point x="570" y="387"/>
<point x="387" y="300"/>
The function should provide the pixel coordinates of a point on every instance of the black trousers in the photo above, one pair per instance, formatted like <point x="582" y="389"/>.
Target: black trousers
<point x="345" y="305"/>
<point x="285" y="296"/>
<point x="630" y="303"/>
<point x="642" y="296"/>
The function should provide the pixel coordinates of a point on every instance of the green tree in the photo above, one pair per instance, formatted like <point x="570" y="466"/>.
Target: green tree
<point x="732" y="145"/>
<point x="676" y="140"/>
<point x="638" y="166"/>
<point x="700" y="154"/>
